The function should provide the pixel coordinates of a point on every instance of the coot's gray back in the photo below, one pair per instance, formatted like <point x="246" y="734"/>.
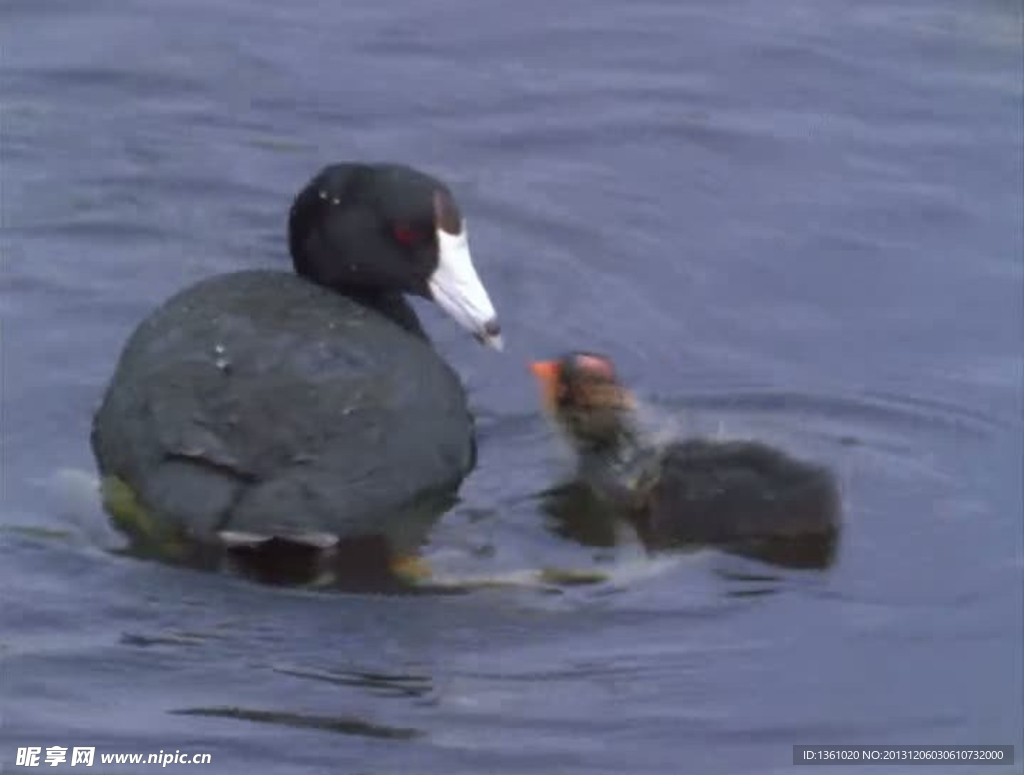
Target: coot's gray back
<point x="261" y="402"/>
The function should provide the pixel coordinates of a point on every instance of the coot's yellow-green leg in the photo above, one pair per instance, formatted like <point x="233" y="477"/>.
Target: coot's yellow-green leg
<point x="570" y="577"/>
<point x="410" y="568"/>
<point x="130" y="516"/>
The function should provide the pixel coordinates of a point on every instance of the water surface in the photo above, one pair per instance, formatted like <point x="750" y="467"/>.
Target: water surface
<point x="798" y="221"/>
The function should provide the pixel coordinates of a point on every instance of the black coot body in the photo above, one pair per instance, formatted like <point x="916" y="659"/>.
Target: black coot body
<point x="263" y="408"/>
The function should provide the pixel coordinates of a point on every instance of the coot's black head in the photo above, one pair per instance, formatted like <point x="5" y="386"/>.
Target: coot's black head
<point x="582" y="392"/>
<point x="388" y="228"/>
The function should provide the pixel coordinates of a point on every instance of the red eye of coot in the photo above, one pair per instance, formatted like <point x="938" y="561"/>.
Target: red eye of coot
<point x="406" y="235"/>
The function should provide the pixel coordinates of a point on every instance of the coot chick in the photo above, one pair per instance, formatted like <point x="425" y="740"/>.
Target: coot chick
<point x="743" y="496"/>
<point x="300" y="415"/>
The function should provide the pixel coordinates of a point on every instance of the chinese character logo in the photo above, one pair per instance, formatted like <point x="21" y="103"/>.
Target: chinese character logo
<point x="55" y="754"/>
<point x="82" y="756"/>
<point x="29" y="757"/>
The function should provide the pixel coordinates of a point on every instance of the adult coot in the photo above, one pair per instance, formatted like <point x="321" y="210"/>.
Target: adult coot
<point x="744" y="496"/>
<point x="303" y="421"/>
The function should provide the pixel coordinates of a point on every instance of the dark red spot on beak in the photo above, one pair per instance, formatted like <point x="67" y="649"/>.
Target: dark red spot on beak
<point x="446" y="213"/>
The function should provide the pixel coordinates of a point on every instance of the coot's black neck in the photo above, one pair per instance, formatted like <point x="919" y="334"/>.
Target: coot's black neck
<point x="391" y="305"/>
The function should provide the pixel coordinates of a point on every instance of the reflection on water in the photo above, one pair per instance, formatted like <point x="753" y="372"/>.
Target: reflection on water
<point x="344" y="726"/>
<point x="376" y="684"/>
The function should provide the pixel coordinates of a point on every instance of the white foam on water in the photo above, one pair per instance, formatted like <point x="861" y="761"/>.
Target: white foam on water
<point x="72" y="496"/>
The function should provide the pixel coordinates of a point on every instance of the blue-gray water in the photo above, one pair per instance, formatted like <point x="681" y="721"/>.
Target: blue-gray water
<point x="800" y="221"/>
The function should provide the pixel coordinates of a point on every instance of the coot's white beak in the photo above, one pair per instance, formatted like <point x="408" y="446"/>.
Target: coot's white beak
<point x="456" y="287"/>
